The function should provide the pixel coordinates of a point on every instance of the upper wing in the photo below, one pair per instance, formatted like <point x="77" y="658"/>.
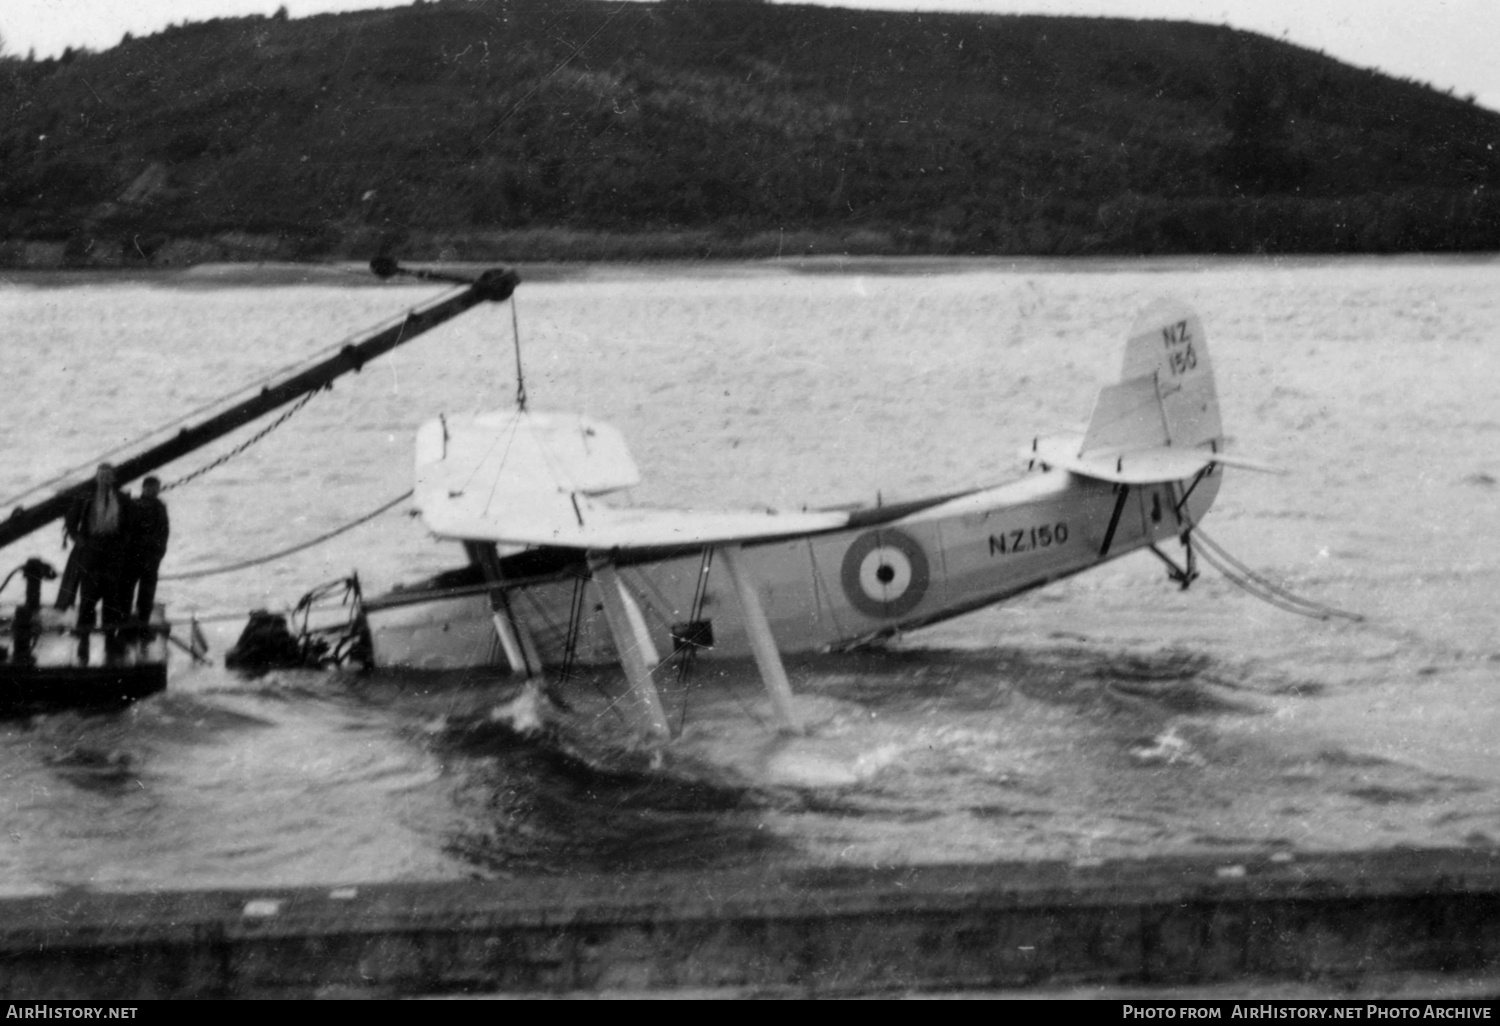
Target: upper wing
<point x="595" y="526"/>
<point x="533" y="479"/>
<point x="490" y="454"/>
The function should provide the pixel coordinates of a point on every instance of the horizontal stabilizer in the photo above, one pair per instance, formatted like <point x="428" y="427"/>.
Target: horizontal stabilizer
<point x="1136" y="467"/>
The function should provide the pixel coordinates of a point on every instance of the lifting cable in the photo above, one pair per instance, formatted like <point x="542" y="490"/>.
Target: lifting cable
<point x="187" y="575"/>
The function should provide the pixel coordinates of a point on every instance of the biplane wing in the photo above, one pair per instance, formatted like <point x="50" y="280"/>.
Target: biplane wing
<point x="535" y="479"/>
<point x="598" y="528"/>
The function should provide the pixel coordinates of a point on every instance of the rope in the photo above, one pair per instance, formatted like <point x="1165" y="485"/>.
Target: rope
<point x="1259" y="587"/>
<point x="247" y="443"/>
<point x="1274" y="595"/>
<point x="188" y="575"/>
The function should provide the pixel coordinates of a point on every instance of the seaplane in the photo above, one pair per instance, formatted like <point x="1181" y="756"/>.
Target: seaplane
<point x="561" y="573"/>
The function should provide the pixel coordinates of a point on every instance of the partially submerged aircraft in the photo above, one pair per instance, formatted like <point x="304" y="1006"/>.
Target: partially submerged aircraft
<point x="558" y="575"/>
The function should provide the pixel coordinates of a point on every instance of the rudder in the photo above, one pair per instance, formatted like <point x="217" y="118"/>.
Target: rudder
<point x="1166" y="395"/>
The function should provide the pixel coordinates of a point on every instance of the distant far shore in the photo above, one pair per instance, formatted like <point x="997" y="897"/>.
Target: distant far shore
<point x="270" y="258"/>
<point x="545" y="245"/>
<point x="356" y="273"/>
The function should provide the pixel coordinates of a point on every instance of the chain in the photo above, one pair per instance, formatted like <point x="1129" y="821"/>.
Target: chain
<point x="247" y="443"/>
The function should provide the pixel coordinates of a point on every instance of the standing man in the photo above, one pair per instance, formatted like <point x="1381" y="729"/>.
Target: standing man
<point x="148" y="528"/>
<point x="97" y="523"/>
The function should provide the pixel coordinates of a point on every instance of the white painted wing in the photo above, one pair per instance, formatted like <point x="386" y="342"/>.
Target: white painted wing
<point x="484" y="453"/>
<point x="1138" y="466"/>
<point x="531" y="479"/>
<point x="599" y="527"/>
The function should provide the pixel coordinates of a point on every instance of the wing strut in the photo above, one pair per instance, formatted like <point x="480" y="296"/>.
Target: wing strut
<point x="515" y="639"/>
<point x="1114" y="521"/>
<point x="762" y="642"/>
<point x="637" y="652"/>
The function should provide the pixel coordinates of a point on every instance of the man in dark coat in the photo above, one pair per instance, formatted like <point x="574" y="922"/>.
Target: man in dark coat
<point x="97" y="523"/>
<point x="147" y="531"/>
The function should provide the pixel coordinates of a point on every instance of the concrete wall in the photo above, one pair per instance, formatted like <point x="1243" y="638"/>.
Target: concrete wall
<point x="1161" y="923"/>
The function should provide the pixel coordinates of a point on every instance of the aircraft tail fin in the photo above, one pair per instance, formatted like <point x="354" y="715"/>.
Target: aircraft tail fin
<point x="1160" y="421"/>
<point x="1165" y="397"/>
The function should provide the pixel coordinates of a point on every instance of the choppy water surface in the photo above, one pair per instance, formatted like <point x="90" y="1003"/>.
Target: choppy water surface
<point x="1110" y="716"/>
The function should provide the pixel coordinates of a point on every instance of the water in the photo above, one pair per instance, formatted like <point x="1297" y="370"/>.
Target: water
<point x="1109" y="716"/>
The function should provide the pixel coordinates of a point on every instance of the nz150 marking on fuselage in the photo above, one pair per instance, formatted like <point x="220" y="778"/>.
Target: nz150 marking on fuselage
<point x="1023" y="540"/>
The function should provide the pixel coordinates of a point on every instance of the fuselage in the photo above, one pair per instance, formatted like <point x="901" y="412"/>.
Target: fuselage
<point x="890" y="570"/>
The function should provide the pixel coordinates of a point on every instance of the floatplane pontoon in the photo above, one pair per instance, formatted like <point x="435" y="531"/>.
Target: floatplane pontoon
<point x="39" y="668"/>
<point x="558" y="576"/>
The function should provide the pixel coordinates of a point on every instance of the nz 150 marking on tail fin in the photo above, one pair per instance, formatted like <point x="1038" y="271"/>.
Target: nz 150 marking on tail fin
<point x="1179" y="342"/>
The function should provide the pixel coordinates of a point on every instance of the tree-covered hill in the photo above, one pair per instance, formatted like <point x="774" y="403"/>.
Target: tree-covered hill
<point x="466" y="126"/>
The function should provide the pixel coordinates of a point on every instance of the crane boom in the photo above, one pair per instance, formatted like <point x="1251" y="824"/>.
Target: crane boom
<point x="492" y="286"/>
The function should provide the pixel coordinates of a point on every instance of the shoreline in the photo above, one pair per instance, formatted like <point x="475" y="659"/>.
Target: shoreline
<point x="355" y="273"/>
<point x="809" y="251"/>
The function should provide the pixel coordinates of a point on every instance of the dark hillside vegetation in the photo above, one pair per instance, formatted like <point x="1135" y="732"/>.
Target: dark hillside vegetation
<point x="477" y="127"/>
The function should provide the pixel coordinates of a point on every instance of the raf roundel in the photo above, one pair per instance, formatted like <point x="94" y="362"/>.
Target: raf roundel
<point x="885" y="573"/>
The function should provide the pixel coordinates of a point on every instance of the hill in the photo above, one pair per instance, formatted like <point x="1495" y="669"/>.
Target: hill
<point x="525" y="128"/>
